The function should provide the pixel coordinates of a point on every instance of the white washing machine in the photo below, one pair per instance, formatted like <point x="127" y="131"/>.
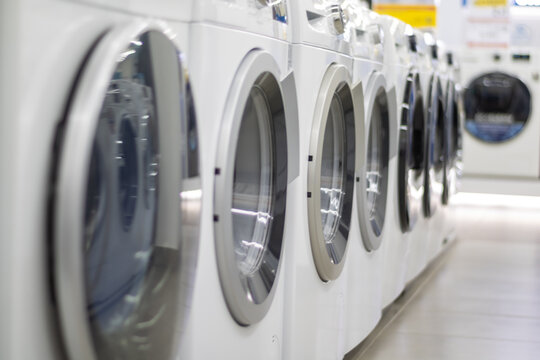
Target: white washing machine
<point x="105" y="210"/>
<point x="451" y="120"/>
<point x="436" y="112"/>
<point x="502" y="137"/>
<point x="451" y="100"/>
<point x="329" y="115"/>
<point x="455" y="125"/>
<point x="246" y="98"/>
<point x="369" y="232"/>
<point x="408" y="176"/>
<point x="453" y="150"/>
<point x="440" y="94"/>
<point x="418" y="237"/>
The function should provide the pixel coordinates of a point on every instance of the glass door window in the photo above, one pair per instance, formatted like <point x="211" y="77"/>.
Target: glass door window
<point x="411" y="154"/>
<point x="331" y="167"/>
<point x="130" y="243"/>
<point x="250" y="193"/>
<point x="377" y="163"/>
<point x="497" y="106"/>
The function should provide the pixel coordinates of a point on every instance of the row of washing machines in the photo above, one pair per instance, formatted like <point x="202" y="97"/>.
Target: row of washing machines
<point x="242" y="179"/>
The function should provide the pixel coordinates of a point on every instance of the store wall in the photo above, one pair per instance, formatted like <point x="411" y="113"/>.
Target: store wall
<point x="450" y="23"/>
<point x="525" y="26"/>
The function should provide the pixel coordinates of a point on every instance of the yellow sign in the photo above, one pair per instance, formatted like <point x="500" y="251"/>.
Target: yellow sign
<point x="420" y="16"/>
<point x="482" y="3"/>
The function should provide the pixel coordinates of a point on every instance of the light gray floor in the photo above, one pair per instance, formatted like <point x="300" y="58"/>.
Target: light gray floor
<point x="483" y="302"/>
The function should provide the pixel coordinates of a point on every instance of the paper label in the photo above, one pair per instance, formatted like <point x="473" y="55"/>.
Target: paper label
<point x="420" y="16"/>
<point x="481" y="3"/>
<point x="487" y="33"/>
<point x="488" y="24"/>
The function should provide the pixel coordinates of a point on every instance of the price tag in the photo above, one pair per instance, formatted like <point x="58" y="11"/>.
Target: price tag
<point x="482" y="3"/>
<point x="488" y="23"/>
<point x="420" y="16"/>
<point x="488" y="33"/>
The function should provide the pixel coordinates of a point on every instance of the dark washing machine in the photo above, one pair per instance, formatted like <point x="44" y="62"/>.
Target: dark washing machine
<point x="331" y="171"/>
<point x="453" y="140"/>
<point x="372" y="193"/>
<point x="250" y="192"/>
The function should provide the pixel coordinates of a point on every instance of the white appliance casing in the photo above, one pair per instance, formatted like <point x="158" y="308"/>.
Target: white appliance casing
<point x="517" y="158"/>
<point x="419" y="237"/>
<point x="316" y="317"/>
<point x="220" y="42"/>
<point x="179" y="10"/>
<point x="53" y="39"/>
<point x="365" y="268"/>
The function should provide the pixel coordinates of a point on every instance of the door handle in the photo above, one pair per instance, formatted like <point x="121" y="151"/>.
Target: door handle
<point x="337" y="17"/>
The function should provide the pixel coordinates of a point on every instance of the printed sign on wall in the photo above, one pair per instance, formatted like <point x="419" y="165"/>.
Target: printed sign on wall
<point x="481" y="3"/>
<point x="418" y="13"/>
<point x="487" y="23"/>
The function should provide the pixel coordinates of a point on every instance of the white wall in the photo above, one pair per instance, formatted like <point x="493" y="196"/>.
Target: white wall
<point x="450" y="23"/>
<point x="525" y="24"/>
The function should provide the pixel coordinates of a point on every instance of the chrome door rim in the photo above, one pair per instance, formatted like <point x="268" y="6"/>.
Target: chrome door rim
<point x="448" y="136"/>
<point x="81" y="123"/>
<point x="243" y="310"/>
<point x="371" y="240"/>
<point x="335" y="77"/>
<point x="412" y="99"/>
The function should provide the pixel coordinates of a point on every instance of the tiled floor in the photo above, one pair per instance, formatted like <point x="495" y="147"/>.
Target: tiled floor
<point x="483" y="302"/>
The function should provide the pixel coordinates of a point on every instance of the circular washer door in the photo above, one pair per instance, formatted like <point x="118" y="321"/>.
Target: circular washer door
<point x="251" y="189"/>
<point x="455" y="146"/>
<point x="331" y="166"/>
<point x="373" y="184"/>
<point x="449" y="141"/>
<point x="126" y="200"/>
<point x="434" y="153"/>
<point x="497" y="107"/>
<point x="411" y="154"/>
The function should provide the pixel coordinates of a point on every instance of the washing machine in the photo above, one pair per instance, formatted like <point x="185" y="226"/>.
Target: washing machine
<point x="502" y="126"/>
<point x="330" y="119"/>
<point x="436" y="206"/>
<point x="431" y="93"/>
<point x="245" y="92"/>
<point x="105" y="185"/>
<point x="455" y="132"/>
<point x="453" y="148"/>
<point x="369" y="230"/>
<point x="407" y="178"/>
<point x="436" y="111"/>
<point x="451" y="105"/>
